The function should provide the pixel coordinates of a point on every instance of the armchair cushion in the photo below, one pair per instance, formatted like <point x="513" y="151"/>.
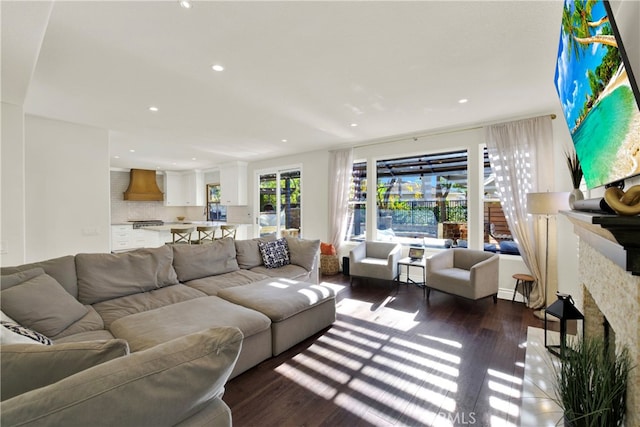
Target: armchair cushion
<point x="147" y="387"/>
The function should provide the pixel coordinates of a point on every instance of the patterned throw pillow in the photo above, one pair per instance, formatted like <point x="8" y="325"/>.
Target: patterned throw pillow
<point x="275" y="253"/>
<point x="26" y="332"/>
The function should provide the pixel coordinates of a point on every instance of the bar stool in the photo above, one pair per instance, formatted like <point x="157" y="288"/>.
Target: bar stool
<point x="228" y="231"/>
<point x="206" y="233"/>
<point x="526" y="281"/>
<point x="182" y="235"/>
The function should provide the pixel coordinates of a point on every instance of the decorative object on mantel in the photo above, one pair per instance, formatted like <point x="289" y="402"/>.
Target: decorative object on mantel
<point x="575" y="170"/>
<point x="546" y="204"/>
<point x="591" y="384"/>
<point x="564" y="310"/>
<point x="623" y="203"/>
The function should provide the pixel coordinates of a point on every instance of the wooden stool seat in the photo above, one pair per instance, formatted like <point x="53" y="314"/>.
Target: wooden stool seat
<point x="526" y="282"/>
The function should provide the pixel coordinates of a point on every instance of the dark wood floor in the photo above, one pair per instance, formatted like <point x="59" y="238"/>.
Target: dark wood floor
<point x="394" y="359"/>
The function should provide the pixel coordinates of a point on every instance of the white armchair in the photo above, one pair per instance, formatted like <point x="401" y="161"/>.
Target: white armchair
<point x="468" y="273"/>
<point x="377" y="260"/>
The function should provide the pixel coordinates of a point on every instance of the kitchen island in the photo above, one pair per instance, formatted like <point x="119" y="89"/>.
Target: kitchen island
<point x="126" y="237"/>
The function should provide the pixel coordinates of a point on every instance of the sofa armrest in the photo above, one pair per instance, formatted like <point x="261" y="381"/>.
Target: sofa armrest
<point x="143" y="388"/>
<point x="27" y="367"/>
<point x="394" y="256"/>
<point x="440" y="261"/>
<point x="358" y="253"/>
<point x="484" y="275"/>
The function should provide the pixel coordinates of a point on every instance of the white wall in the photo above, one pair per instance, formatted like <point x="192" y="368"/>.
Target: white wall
<point x="12" y="231"/>
<point x="66" y="188"/>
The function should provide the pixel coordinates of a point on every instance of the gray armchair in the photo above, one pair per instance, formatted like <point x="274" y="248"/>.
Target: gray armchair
<point x="468" y="273"/>
<point x="377" y="260"/>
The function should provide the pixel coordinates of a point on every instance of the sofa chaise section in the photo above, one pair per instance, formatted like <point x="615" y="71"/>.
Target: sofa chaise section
<point x="297" y="310"/>
<point x="150" y="328"/>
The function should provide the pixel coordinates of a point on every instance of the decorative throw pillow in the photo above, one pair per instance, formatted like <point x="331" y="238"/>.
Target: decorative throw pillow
<point x="10" y="328"/>
<point x="274" y="254"/>
<point x="327" y="249"/>
<point x="41" y="304"/>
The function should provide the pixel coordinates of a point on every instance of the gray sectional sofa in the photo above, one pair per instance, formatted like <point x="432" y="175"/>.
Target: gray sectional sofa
<point x="151" y="303"/>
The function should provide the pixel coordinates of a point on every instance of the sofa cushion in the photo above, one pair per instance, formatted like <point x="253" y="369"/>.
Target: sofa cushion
<point x="280" y="298"/>
<point x="150" y="328"/>
<point x="290" y="271"/>
<point x="212" y="284"/>
<point x="303" y="252"/>
<point x="247" y="252"/>
<point x="105" y="276"/>
<point x="147" y="388"/>
<point x="27" y="367"/>
<point x="88" y="323"/>
<point x="114" y="309"/>
<point x="274" y="254"/>
<point x="14" y="333"/>
<point x="42" y="304"/>
<point x="63" y="269"/>
<point x="196" y="261"/>
<point x="11" y="280"/>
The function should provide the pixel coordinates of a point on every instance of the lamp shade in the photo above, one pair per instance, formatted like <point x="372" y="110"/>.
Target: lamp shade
<point x="549" y="203"/>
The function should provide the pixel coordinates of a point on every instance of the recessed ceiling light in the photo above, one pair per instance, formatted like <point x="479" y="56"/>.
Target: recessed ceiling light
<point x="185" y="4"/>
<point x="217" y="67"/>
<point x="463" y="101"/>
<point x="132" y="151"/>
<point x="193" y="158"/>
<point x="154" y="109"/>
<point x="284" y="140"/>
<point x="353" y="125"/>
<point x="116" y="157"/>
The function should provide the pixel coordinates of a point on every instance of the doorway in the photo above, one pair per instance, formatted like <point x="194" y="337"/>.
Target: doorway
<point x="279" y="202"/>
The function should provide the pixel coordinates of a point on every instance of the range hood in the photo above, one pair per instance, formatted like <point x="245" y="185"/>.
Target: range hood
<point x="143" y="186"/>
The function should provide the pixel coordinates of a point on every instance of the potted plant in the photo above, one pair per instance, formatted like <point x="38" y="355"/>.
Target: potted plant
<point x="575" y="170"/>
<point x="591" y="384"/>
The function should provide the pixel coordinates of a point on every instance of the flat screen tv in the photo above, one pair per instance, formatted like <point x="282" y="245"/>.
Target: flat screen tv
<point x="599" y="95"/>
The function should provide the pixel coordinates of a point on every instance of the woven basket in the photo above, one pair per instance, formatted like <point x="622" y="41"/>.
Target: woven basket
<point x="329" y="265"/>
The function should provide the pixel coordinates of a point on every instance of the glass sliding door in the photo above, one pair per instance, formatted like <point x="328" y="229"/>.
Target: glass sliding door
<point x="279" y="203"/>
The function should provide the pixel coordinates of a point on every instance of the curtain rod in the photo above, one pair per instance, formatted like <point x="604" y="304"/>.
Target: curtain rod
<point x="443" y="132"/>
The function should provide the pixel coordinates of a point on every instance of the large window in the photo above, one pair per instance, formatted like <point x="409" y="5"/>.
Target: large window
<point x="423" y="200"/>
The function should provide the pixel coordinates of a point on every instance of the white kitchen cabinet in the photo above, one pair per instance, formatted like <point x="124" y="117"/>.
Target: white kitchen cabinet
<point x="184" y="188"/>
<point x="233" y="184"/>
<point x="121" y="237"/>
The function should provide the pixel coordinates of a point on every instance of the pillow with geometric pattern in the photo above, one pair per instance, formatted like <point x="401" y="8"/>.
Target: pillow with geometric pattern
<point x="13" y="333"/>
<point x="275" y="253"/>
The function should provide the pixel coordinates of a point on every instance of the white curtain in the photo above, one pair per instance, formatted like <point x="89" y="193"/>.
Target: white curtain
<point x="521" y="156"/>
<point x="340" y="169"/>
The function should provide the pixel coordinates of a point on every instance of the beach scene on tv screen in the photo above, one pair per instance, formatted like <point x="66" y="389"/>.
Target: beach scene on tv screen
<point x="596" y="94"/>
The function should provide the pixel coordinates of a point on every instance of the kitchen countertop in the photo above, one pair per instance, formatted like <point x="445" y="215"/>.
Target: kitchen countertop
<point x="169" y="225"/>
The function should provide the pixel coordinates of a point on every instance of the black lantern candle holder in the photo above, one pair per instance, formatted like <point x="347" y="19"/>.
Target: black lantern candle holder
<point x="564" y="309"/>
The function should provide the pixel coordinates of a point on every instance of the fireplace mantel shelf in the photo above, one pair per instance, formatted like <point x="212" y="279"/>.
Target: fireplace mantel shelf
<point x="616" y="237"/>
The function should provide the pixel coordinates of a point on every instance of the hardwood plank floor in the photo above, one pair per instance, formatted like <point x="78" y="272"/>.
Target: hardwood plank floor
<point x="394" y="359"/>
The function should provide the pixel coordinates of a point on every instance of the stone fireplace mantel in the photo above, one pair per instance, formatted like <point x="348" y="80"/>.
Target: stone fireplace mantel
<point x="616" y="237"/>
<point x="609" y="274"/>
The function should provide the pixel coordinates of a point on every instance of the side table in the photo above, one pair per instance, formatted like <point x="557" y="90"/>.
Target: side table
<point x="408" y="263"/>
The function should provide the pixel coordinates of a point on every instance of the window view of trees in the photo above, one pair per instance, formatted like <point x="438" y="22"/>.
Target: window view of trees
<point x="423" y="200"/>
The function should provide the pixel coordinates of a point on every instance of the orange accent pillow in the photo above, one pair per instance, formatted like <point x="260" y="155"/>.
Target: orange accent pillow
<point x="327" y="249"/>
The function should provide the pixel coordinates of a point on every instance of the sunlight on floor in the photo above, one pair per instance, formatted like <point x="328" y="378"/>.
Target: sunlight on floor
<point x="386" y="377"/>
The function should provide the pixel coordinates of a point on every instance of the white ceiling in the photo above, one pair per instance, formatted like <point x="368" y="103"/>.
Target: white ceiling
<point x="301" y="71"/>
